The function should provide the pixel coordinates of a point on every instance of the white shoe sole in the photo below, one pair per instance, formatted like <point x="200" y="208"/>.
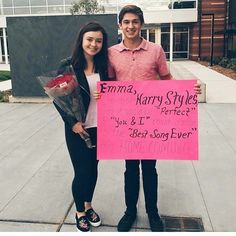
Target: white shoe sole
<point x="95" y="224"/>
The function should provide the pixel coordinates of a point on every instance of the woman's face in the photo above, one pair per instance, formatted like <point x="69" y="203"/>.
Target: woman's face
<point x="92" y="43"/>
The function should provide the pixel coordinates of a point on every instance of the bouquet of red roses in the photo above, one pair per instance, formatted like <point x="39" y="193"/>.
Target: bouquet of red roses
<point x="65" y="92"/>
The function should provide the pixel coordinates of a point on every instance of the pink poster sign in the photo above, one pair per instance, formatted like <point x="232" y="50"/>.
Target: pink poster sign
<point x="147" y="120"/>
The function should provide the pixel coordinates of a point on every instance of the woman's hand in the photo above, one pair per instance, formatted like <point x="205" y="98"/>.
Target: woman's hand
<point x="197" y="88"/>
<point x="79" y="129"/>
<point x="97" y="95"/>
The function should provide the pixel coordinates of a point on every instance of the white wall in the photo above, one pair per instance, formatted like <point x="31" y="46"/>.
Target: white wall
<point x="171" y="16"/>
<point x="155" y="17"/>
<point x="2" y="22"/>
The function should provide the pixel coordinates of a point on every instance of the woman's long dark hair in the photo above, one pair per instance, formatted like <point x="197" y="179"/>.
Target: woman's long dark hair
<point x="100" y="59"/>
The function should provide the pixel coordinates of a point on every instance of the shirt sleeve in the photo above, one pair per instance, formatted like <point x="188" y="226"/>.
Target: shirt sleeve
<point x="161" y="63"/>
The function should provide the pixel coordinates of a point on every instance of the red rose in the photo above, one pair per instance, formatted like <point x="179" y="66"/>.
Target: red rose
<point x="60" y="81"/>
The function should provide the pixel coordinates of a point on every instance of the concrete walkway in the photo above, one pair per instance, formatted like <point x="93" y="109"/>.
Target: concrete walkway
<point x="35" y="171"/>
<point x="219" y="88"/>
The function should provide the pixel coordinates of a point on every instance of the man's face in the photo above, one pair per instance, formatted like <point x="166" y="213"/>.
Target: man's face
<point x="131" y="26"/>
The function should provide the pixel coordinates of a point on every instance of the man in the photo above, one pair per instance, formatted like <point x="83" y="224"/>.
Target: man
<point x="137" y="59"/>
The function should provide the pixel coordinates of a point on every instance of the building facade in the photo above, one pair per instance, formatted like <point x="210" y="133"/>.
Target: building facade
<point x="209" y="36"/>
<point x="185" y="28"/>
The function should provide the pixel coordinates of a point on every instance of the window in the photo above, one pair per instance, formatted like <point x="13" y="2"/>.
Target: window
<point x="67" y="9"/>
<point x="55" y="2"/>
<point x="165" y="39"/>
<point x="21" y="10"/>
<point x="21" y="3"/>
<point x="69" y="2"/>
<point x="38" y="10"/>
<point x="38" y="2"/>
<point x="152" y="35"/>
<point x="181" y="4"/>
<point x="165" y="43"/>
<point x="144" y="33"/>
<point x="165" y="28"/>
<point x="7" y="3"/>
<point x="56" y="9"/>
<point x="149" y="35"/>
<point x="3" y="56"/>
<point x="8" y="11"/>
<point x="180" y="28"/>
<point x="180" y="41"/>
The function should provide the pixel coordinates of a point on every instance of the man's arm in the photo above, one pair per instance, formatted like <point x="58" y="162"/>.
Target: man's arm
<point x="166" y="77"/>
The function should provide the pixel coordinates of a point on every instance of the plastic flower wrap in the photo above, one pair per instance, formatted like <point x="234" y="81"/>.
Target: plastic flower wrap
<point x="65" y="91"/>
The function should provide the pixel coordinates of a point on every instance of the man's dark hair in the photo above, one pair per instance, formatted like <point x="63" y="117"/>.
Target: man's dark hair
<point x="131" y="9"/>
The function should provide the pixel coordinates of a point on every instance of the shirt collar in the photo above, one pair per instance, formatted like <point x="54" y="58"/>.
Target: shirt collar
<point x="143" y="45"/>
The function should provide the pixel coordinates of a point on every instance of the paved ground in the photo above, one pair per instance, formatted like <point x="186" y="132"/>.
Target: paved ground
<point x="35" y="171"/>
<point x="219" y="88"/>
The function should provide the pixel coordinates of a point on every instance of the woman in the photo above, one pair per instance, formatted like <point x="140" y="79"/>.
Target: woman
<point x="89" y="62"/>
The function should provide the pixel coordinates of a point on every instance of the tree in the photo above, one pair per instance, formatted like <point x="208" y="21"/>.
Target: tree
<point x="86" y="7"/>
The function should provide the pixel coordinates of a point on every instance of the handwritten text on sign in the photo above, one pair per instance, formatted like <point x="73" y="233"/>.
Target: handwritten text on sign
<point x="148" y="120"/>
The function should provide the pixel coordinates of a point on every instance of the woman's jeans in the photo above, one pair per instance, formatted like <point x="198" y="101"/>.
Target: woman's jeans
<point x="84" y="161"/>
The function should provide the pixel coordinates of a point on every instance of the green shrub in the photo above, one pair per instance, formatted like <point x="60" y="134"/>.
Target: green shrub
<point x="224" y="62"/>
<point x="4" y="95"/>
<point x="232" y="63"/>
<point x="216" y="60"/>
<point x="205" y="59"/>
<point x="1" y="96"/>
<point x="233" y="67"/>
<point x="4" y="75"/>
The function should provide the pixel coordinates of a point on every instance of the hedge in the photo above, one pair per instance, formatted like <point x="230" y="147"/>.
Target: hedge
<point x="4" y="75"/>
<point x="229" y="63"/>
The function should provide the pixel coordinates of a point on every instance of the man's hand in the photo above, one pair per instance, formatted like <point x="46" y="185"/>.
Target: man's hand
<point x="197" y="88"/>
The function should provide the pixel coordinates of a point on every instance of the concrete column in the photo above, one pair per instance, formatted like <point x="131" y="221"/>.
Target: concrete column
<point x="171" y="41"/>
<point x="158" y="35"/>
<point x="13" y="7"/>
<point x="5" y="45"/>
<point x="1" y="8"/>
<point x="147" y="30"/>
<point x="64" y="6"/>
<point x="30" y="7"/>
<point x="0" y="50"/>
<point x="47" y="5"/>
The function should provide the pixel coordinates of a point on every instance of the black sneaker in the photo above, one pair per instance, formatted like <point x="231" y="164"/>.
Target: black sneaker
<point x="82" y="224"/>
<point x="156" y="223"/>
<point x="93" y="218"/>
<point x="126" y="223"/>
